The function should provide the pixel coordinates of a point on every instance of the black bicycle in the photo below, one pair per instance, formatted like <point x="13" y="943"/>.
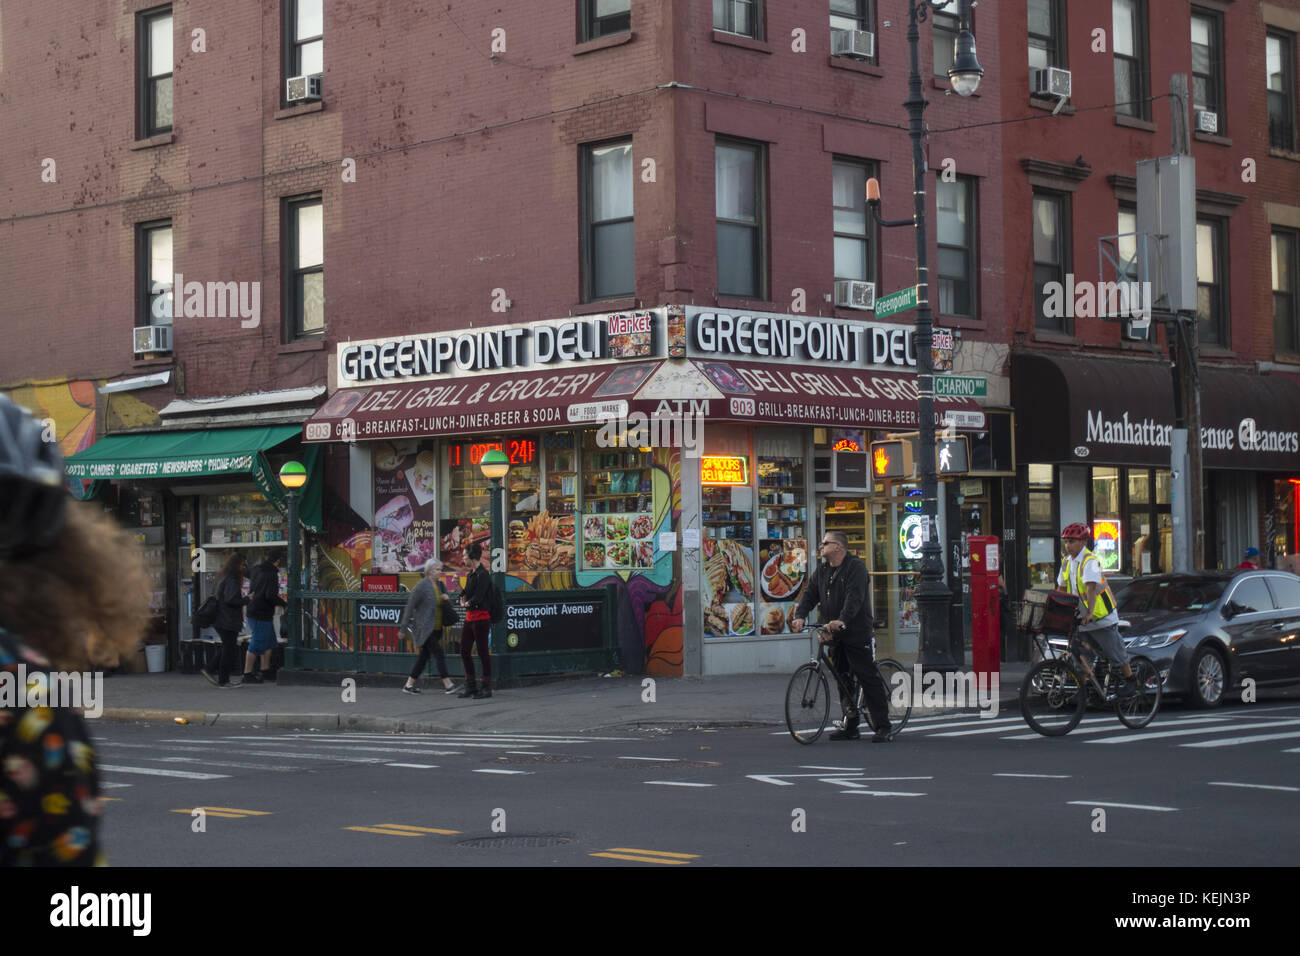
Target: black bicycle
<point x="808" y="695"/>
<point x="1058" y="689"/>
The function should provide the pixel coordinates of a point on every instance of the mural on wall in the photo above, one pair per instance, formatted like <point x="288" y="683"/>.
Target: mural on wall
<point x="71" y="406"/>
<point x="648" y="604"/>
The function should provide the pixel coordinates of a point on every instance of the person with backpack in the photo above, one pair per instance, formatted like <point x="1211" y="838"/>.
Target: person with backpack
<point x="477" y="598"/>
<point x="230" y="617"/>
<point x="73" y="595"/>
<point x="264" y="582"/>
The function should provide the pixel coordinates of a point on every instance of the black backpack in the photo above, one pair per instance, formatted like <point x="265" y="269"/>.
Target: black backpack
<point x="206" y="615"/>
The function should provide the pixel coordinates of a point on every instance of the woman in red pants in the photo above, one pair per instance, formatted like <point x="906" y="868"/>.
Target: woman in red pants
<point x="476" y="598"/>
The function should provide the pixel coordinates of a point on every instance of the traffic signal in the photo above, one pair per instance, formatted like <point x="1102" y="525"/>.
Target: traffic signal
<point x="887" y="459"/>
<point x="952" y="456"/>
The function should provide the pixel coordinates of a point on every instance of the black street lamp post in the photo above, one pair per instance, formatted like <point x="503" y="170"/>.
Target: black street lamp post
<point x="495" y="466"/>
<point x="293" y="476"/>
<point x="933" y="596"/>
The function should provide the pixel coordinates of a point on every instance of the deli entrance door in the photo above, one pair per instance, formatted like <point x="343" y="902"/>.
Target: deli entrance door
<point x="885" y="531"/>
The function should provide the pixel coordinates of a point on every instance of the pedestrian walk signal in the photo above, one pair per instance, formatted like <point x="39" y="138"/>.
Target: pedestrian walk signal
<point x="952" y="456"/>
<point x="889" y="459"/>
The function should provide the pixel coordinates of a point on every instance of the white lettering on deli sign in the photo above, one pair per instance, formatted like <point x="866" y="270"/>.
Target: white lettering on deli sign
<point x="1149" y="433"/>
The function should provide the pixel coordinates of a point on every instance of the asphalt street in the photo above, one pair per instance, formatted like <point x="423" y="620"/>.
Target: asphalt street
<point x="1192" y="789"/>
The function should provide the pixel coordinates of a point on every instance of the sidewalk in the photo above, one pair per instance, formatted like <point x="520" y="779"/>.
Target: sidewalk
<point x="561" y="706"/>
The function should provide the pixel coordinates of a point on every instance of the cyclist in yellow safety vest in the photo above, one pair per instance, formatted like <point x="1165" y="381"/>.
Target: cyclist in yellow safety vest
<point x="1099" y="621"/>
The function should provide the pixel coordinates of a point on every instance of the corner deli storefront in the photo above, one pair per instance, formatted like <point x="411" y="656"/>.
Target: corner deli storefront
<point x="1100" y="431"/>
<point x="641" y="444"/>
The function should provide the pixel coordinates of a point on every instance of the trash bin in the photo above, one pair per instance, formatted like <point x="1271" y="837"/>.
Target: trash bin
<point x="156" y="657"/>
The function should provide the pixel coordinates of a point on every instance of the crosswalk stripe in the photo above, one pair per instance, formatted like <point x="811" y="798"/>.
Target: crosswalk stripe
<point x="1161" y="734"/>
<point x="1046" y="776"/>
<point x="498" y="770"/>
<point x="1122" y="806"/>
<point x="1253" y="786"/>
<point x="227" y="763"/>
<point x="1110" y="724"/>
<point x="156" y="772"/>
<point x="414" y="766"/>
<point x="1234" y="741"/>
<point x="678" y="783"/>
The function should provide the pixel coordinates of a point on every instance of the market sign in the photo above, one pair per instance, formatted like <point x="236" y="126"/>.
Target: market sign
<point x="724" y="470"/>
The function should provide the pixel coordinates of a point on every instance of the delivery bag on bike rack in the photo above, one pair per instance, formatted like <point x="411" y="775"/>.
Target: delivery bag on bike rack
<point x="1059" y="612"/>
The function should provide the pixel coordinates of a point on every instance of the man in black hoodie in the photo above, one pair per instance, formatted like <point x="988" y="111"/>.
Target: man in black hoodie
<point x="264" y="598"/>
<point x="840" y="587"/>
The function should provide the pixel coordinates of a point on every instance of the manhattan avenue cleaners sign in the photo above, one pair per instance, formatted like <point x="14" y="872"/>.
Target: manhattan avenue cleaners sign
<point x="1247" y="436"/>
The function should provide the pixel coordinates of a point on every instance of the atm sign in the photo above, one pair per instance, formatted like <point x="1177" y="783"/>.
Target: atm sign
<point x="724" y="470"/>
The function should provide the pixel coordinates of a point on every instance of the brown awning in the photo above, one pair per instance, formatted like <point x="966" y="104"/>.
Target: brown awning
<point x="561" y="398"/>
<point x="1100" y="411"/>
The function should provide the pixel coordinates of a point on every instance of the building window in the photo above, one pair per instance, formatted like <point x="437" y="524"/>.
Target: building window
<point x="1211" y="283"/>
<point x="1278" y="48"/>
<point x="744" y="17"/>
<point x="1126" y="245"/>
<point x="1286" y="317"/>
<point x="739" y="197"/>
<point x="1207" y="64"/>
<point x="304" y="225"/>
<point x="304" y="33"/>
<point x="1130" y="45"/>
<point x="600" y="18"/>
<point x="946" y="28"/>
<point x="854" y="255"/>
<point x="855" y="15"/>
<point x="1046" y="34"/>
<point x="154" y="46"/>
<point x="156" y="270"/>
<point x="609" y="253"/>
<point x="1051" y="258"/>
<point x="956" y="231"/>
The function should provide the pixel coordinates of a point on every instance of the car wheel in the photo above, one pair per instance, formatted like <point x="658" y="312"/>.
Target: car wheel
<point x="1207" y="679"/>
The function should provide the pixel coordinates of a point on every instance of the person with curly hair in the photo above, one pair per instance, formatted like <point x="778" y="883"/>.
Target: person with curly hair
<point x="55" y="553"/>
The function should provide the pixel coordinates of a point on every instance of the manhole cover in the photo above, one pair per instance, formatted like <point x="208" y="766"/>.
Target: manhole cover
<point x="538" y="758"/>
<point x="510" y="840"/>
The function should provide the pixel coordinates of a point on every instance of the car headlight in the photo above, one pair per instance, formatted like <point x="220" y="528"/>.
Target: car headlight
<point x="1161" y="639"/>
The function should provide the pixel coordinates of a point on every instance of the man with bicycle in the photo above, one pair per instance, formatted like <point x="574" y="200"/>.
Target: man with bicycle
<point x="839" y="587"/>
<point x="1099" y="620"/>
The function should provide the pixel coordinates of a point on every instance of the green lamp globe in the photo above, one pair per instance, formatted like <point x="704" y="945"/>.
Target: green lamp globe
<point x="293" y="475"/>
<point x="495" y="464"/>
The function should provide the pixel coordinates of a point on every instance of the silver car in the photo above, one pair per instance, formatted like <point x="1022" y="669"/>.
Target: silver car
<point x="1208" y="631"/>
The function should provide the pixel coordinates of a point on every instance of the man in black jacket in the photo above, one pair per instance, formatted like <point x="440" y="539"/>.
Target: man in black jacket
<point x="840" y="586"/>
<point x="264" y="598"/>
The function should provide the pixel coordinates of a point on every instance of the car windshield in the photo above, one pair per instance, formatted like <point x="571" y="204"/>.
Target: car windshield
<point x="1164" y="594"/>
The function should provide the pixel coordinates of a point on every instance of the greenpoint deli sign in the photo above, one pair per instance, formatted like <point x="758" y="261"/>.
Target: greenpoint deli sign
<point x="675" y="331"/>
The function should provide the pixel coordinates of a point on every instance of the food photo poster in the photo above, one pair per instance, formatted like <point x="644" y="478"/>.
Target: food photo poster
<point x="405" y="517"/>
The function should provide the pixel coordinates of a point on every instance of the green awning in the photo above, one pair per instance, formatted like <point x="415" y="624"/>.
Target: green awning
<point x="181" y="454"/>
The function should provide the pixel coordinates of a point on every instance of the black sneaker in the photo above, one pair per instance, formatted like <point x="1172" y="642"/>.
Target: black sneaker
<point x="483" y="693"/>
<point x="410" y="689"/>
<point x="469" y="690"/>
<point x="882" y="736"/>
<point x="846" y="735"/>
<point x="452" y="689"/>
<point x="252" y="677"/>
<point x="212" y="678"/>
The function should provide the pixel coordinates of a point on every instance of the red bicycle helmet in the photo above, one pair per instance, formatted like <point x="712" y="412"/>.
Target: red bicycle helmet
<point x="1075" y="530"/>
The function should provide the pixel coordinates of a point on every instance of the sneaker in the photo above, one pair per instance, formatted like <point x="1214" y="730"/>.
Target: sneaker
<point x="1126" y="689"/>
<point x="846" y="735"/>
<point x="882" y="737"/>
<point x="212" y="678"/>
<point x="252" y="677"/>
<point x="452" y="689"/>
<point x="469" y="690"/>
<point x="410" y="689"/>
<point x="483" y="693"/>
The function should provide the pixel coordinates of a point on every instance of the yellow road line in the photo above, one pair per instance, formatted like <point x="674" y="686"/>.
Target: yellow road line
<point x="251" y="813"/>
<point x="684" y="856"/>
<point x="110" y="799"/>
<point x="388" y="832"/>
<point x="642" y="859"/>
<point x="403" y="826"/>
<point x="213" y="813"/>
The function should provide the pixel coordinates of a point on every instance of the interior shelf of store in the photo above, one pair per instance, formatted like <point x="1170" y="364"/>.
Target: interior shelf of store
<point x="244" y="544"/>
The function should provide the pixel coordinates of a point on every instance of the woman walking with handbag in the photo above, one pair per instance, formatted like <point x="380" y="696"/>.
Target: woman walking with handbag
<point x="476" y="598"/>
<point x="428" y="610"/>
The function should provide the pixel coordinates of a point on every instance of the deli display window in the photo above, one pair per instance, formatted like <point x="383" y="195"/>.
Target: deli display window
<point x="617" y="506"/>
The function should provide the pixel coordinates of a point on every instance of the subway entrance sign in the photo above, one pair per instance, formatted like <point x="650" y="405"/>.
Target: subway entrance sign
<point x="962" y="386"/>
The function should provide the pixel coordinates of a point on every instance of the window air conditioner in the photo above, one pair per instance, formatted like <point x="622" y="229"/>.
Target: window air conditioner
<point x="1050" y="82"/>
<point x="300" y="89"/>
<point x="1207" y="121"/>
<point x="857" y="43"/>
<point x="853" y="294"/>
<point x="152" y="338"/>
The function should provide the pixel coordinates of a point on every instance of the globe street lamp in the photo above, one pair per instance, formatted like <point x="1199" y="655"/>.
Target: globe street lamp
<point x="293" y="476"/>
<point x="495" y="466"/>
<point x="933" y="596"/>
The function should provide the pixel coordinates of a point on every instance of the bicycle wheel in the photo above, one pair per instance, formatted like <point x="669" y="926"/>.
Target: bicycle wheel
<point x="898" y="691"/>
<point x="1052" y="698"/>
<point x="807" y="703"/>
<point x="1140" y="709"/>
